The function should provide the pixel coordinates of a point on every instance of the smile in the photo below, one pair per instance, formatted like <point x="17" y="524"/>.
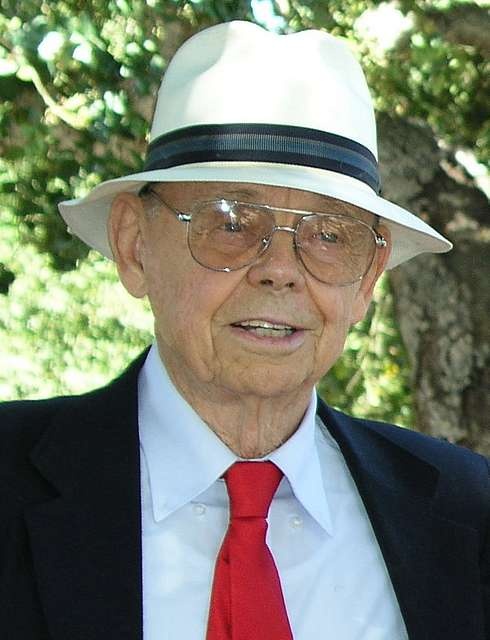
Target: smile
<point x="264" y="329"/>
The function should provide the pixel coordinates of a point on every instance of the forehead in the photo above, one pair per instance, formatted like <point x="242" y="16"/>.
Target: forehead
<point x="185" y="194"/>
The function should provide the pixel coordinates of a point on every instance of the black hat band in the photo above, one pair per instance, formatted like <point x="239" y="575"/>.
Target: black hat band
<point x="264" y="143"/>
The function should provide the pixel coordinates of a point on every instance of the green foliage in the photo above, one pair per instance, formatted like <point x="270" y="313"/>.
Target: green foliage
<point x="63" y="332"/>
<point x="372" y="378"/>
<point x="73" y="87"/>
<point x="77" y="82"/>
<point x="437" y="80"/>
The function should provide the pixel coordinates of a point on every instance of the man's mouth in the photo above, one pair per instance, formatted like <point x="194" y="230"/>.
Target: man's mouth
<point x="263" y="329"/>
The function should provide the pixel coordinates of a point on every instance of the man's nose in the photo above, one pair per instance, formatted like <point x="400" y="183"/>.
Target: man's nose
<point x="279" y="266"/>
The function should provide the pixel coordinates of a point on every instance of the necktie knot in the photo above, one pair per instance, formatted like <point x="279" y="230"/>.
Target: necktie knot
<point x="251" y="487"/>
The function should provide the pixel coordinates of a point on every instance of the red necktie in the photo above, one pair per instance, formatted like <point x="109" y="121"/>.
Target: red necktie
<point x="247" y="601"/>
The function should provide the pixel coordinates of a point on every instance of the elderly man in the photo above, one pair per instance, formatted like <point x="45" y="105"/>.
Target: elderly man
<point x="208" y="493"/>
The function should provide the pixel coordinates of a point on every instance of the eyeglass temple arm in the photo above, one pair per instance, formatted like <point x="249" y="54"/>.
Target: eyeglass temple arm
<point x="380" y="239"/>
<point x="147" y="189"/>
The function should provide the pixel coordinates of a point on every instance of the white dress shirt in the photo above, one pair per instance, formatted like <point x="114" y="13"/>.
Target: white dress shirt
<point x="334" y="579"/>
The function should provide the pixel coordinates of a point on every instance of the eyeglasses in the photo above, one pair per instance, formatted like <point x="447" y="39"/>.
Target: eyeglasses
<point x="227" y="235"/>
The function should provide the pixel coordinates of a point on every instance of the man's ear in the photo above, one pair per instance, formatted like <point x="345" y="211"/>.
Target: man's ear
<point x="365" y="292"/>
<point x="124" y="228"/>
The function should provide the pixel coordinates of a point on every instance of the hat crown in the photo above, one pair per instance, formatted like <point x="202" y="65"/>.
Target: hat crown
<point x="238" y="72"/>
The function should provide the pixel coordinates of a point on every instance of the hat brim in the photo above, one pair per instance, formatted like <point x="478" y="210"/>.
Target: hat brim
<point x="87" y="217"/>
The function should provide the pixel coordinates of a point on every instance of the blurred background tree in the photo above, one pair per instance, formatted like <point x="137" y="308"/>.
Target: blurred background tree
<point x="77" y="85"/>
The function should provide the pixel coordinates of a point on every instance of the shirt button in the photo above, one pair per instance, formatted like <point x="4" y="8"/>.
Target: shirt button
<point x="296" y="522"/>
<point x="199" y="509"/>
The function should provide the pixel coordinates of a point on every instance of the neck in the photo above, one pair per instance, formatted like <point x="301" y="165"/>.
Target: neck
<point x="253" y="427"/>
<point x="250" y="425"/>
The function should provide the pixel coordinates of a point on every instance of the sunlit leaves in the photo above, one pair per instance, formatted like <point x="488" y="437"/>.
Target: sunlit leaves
<point x="437" y="80"/>
<point x="372" y="377"/>
<point x="62" y="333"/>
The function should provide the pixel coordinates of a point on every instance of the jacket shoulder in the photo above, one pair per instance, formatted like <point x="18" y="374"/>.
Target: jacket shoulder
<point x="25" y="425"/>
<point x="463" y="476"/>
<point x="437" y="451"/>
<point x="23" y="422"/>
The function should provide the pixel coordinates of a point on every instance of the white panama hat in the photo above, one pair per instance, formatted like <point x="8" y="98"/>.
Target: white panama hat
<point x="240" y="104"/>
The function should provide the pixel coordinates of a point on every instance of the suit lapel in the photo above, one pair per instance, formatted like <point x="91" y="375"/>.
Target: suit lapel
<point x="86" y="543"/>
<point x="432" y="561"/>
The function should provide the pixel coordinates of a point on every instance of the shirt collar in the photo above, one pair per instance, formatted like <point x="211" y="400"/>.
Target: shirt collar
<point x="185" y="457"/>
<point x="299" y="461"/>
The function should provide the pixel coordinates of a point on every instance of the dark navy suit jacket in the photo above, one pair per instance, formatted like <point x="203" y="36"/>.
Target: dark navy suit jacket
<point x="70" y="537"/>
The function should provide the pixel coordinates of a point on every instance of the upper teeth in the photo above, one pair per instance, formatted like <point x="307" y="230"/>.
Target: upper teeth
<point x="264" y="325"/>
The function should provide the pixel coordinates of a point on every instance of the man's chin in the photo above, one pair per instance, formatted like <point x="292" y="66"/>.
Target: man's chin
<point x="263" y="382"/>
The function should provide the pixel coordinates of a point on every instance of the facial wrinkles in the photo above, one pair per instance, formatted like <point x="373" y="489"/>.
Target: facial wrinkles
<point x="244" y="302"/>
<point x="246" y="391"/>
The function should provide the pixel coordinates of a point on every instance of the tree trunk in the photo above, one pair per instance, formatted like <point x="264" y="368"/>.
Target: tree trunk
<point x="442" y="302"/>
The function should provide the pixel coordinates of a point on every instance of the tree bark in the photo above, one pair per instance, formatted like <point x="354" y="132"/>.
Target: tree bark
<point x="465" y="24"/>
<point x="442" y="302"/>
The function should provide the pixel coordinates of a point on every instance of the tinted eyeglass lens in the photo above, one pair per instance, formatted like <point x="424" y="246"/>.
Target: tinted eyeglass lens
<point x="335" y="249"/>
<point x="227" y="235"/>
